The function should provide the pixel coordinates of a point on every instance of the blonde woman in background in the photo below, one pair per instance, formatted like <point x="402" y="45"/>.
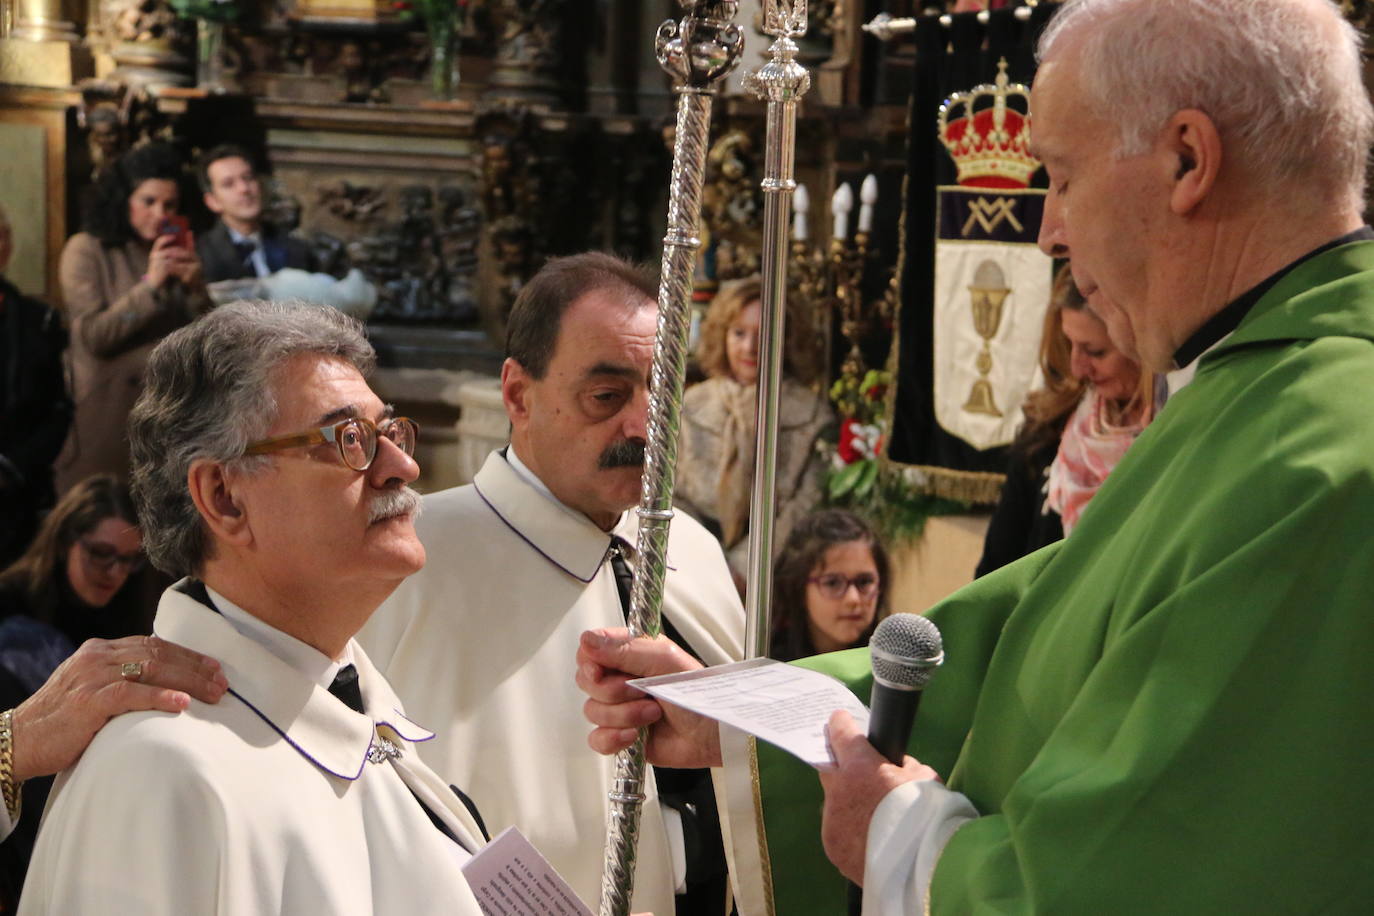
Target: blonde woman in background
<point x="715" y="471"/>
<point x="1095" y="401"/>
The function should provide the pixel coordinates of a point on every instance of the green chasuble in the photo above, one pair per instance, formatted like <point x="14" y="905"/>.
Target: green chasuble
<point x="1171" y="711"/>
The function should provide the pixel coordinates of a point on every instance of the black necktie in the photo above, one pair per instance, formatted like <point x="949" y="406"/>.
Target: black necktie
<point x="624" y="578"/>
<point x="245" y="251"/>
<point x="689" y="792"/>
<point x="345" y="687"/>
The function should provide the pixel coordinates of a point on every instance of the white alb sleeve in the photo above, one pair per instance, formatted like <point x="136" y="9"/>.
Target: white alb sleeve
<point x="909" y="829"/>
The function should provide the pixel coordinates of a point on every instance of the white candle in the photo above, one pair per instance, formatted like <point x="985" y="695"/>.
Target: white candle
<point x="840" y="206"/>
<point x="801" y="205"/>
<point x="868" y="196"/>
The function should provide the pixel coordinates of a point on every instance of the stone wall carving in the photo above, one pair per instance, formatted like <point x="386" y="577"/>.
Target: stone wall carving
<point x="416" y="242"/>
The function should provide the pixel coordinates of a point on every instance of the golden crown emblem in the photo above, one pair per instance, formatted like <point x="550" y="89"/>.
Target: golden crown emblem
<point x="990" y="143"/>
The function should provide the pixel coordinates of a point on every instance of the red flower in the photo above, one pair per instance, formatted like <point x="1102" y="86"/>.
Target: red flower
<point x="875" y="392"/>
<point x="848" y="454"/>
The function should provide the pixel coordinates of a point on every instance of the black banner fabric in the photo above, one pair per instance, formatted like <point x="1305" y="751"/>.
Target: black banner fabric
<point x="949" y="59"/>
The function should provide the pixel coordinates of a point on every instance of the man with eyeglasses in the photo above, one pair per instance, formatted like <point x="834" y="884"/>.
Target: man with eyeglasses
<point x="270" y="476"/>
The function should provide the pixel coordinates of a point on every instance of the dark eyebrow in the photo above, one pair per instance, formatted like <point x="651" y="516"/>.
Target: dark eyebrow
<point x="612" y="369"/>
<point x="348" y="411"/>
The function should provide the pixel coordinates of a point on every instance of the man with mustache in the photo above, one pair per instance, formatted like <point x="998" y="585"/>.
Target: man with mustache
<point x="270" y="477"/>
<point x="481" y="643"/>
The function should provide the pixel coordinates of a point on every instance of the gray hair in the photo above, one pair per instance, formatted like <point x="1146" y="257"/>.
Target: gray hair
<point x="1281" y="79"/>
<point x="207" y="394"/>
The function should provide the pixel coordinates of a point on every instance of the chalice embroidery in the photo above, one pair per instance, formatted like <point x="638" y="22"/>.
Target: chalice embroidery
<point x="987" y="294"/>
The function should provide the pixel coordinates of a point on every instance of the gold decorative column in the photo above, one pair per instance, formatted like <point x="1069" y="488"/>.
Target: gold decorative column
<point x="44" y="47"/>
<point x="43" y="20"/>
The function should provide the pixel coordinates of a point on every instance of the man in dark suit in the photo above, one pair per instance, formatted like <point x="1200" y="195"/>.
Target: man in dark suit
<point x="240" y="245"/>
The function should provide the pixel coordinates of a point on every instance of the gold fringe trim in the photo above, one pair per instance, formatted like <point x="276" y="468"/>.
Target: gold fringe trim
<point x="765" y="863"/>
<point x="978" y="487"/>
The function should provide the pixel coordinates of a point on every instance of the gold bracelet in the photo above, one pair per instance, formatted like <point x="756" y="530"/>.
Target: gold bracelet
<point x="8" y="788"/>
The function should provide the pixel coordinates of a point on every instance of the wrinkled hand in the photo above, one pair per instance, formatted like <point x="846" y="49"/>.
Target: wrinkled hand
<point x="853" y="788"/>
<point x="52" y="727"/>
<point x="606" y="659"/>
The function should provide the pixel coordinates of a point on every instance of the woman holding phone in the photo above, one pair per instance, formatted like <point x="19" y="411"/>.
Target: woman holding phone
<point x="128" y="280"/>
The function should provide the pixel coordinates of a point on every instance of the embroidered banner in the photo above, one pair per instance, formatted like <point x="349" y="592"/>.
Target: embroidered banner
<point x="992" y="285"/>
<point x="974" y="285"/>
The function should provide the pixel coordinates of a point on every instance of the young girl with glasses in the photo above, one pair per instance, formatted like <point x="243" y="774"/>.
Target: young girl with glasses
<point x="829" y="586"/>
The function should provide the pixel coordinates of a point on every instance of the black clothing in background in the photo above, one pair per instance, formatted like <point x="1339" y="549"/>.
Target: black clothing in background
<point x="220" y="260"/>
<point x="30" y="650"/>
<point x="35" y="412"/>
<point x="1019" y="526"/>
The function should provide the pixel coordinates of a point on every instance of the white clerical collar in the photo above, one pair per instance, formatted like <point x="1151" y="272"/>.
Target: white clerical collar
<point x="306" y="659"/>
<point x="533" y="480"/>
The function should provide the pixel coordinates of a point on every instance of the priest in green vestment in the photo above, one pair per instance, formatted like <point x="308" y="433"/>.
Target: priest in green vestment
<point x="1171" y="711"/>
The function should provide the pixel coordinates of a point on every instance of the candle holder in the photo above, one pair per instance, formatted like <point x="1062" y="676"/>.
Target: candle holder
<point x="830" y="281"/>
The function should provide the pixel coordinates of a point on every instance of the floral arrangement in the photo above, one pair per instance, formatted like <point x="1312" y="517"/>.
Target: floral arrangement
<point x="209" y="10"/>
<point x="450" y="12"/>
<point x="859" y="479"/>
<point x="443" y="21"/>
<point x="860" y="403"/>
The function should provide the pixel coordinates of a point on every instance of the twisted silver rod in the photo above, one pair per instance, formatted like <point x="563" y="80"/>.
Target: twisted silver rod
<point x="780" y="82"/>
<point x="698" y="52"/>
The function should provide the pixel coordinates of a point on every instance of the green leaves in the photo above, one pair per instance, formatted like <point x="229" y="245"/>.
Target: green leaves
<point x="209" y="10"/>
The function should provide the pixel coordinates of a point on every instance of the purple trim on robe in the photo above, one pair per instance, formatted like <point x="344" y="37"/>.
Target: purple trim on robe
<point x="535" y="547"/>
<point x="429" y="734"/>
<point x="303" y="752"/>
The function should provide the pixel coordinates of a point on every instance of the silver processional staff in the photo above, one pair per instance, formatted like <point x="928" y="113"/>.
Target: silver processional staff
<point x="697" y="52"/>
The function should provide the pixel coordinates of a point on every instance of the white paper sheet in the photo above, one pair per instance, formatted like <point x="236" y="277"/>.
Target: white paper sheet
<point x="509" y="877"/>
<point x="782" y="704"/>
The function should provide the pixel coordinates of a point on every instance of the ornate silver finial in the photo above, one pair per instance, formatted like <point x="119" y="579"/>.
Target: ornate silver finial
<point x="704" y="46"/>
<point x="781" y="79"/>
<point x="784" y="19"/>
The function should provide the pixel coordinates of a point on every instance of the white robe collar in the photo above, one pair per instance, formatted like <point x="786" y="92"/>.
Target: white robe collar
<point x="566" y="539"/>
<point x="311" y="719"/>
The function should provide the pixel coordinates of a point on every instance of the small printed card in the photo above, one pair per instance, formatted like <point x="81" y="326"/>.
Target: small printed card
<point x="509" y="877"/>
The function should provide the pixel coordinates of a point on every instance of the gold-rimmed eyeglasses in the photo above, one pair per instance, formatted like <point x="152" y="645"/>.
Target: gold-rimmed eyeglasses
<point x="355" y="437"/>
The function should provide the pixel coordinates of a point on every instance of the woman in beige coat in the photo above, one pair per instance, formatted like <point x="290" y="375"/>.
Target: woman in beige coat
<point x="127" y="281"/>
<point x="715" y="471"/>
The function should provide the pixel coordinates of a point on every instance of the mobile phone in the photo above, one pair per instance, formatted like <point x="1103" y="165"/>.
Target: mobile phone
<point x="179" y="227"/>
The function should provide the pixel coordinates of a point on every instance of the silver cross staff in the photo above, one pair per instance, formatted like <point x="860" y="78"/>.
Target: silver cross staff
<point x="697" y="52"/>
<point x="781" y="83"/>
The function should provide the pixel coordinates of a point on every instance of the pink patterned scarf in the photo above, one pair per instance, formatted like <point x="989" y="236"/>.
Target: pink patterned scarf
<point x="1089" y="449"/>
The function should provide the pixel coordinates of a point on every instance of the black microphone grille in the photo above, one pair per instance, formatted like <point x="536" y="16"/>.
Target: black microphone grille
<point x="905" y="649"/>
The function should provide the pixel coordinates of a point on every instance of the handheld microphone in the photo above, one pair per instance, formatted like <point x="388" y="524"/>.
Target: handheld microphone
<point x="905" y="651"/>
